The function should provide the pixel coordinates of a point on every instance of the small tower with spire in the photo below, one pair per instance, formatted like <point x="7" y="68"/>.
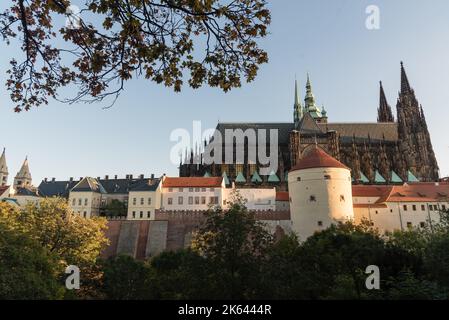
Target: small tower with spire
<point x="297" y="107"/>
<point x="23" y="177"/>
<point x="310" y="104"/>
<point x="3" y="170"/>
<point x="384" y="111"/>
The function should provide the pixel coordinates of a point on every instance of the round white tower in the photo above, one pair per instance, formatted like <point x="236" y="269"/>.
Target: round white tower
<point x="320" y="192"/>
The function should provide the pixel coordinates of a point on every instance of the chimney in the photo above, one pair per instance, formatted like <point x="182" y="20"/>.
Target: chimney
<point x="71" y="179"/>
<point x="46" y="179"/>
<point x="142" y="176"/>
<point x="115" y="177"/>
<point x="53" y="179"/>
<point x="130" y="177"/>
<point x="152" y="176"/>
<point x="106" y="177"/>
<point x="81" y="178"/>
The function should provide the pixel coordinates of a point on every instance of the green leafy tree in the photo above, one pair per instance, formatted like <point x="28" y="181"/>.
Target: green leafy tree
<point x="74" y="239"/>
<point x="27" y="270"/>
<point x="182" y="274"/>
<point x="70" y="238"/>
<point x="116" y="208"/>
<point x="171" y="42"/>
<point x="236" y="246"/>
<point x="125" y="278"/>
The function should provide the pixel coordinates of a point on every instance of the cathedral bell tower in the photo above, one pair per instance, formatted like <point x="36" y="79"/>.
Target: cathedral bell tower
<point x="413" y="134"/>
<point x="23" y="177"/>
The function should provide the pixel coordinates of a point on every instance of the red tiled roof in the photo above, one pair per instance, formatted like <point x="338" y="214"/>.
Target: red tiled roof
<point x="317" y="158"/>
<point x="193" y="182"/>
<point x="370" y="191"/>
<point x="282" y="196"/>
<point x="419" y="192"/>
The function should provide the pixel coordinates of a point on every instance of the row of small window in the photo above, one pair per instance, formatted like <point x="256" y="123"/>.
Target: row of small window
<point x="194" y="200"/>
<point x="84" y="213"/>
<point x="432" y="207"/>
<point x="192" y="189"/>
<point x="141" y="214"/>
<point x="80" y="202"/>
<point x="312" y="198"/>
<point x="142" y="201"/>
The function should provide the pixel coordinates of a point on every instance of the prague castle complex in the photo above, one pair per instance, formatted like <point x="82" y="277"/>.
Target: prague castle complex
<point x="389" y="150"/>
<point x="383" y="172"/>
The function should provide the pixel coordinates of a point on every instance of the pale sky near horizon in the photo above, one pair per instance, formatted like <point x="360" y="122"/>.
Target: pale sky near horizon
<point x="326" y="38"/>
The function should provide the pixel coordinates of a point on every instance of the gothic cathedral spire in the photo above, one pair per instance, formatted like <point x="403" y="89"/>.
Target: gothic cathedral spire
<point x="384" y="110"/>
<point x="413" y="134"/>
<point x="405" y="85"/>
<point x="3" y="169"/>
<point x="297" y="108"/>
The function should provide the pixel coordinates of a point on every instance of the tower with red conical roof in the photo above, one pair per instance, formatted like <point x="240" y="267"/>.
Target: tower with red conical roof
<point x="320" y="192"/>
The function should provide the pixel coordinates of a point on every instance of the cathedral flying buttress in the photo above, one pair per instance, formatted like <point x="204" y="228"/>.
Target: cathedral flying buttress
<point x="388" y="151"/>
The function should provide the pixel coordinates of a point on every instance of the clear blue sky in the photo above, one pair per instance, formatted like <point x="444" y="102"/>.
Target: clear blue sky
<point x="327" y="38"/>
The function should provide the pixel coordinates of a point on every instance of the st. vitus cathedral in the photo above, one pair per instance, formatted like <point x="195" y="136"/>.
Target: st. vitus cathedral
<point x="386" y="151"/>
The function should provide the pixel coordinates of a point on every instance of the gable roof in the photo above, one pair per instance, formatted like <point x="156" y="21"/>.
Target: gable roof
<point x="370" y="190"/>
<point x="89" y="184"/>
<point x="315" y="157"/>
<point x="146" y="185"/>
<point x="309" y="125"/>
<point x="419" y="192"/>
<point x="30" y="192"/>
<point x="56" y="188"/>
<point x="192" y="182"/>
<point x="112" y="186"/>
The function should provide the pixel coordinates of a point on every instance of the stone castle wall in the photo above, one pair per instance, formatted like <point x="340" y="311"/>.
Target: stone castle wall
<point x="171" y="231"/>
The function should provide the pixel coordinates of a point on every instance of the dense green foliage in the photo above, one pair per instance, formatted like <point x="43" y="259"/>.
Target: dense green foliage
<point x="39" y="241"/>
<point x="232" y="256"/>
<point x="27" y="271"/>
<point x="116" y="208"/>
